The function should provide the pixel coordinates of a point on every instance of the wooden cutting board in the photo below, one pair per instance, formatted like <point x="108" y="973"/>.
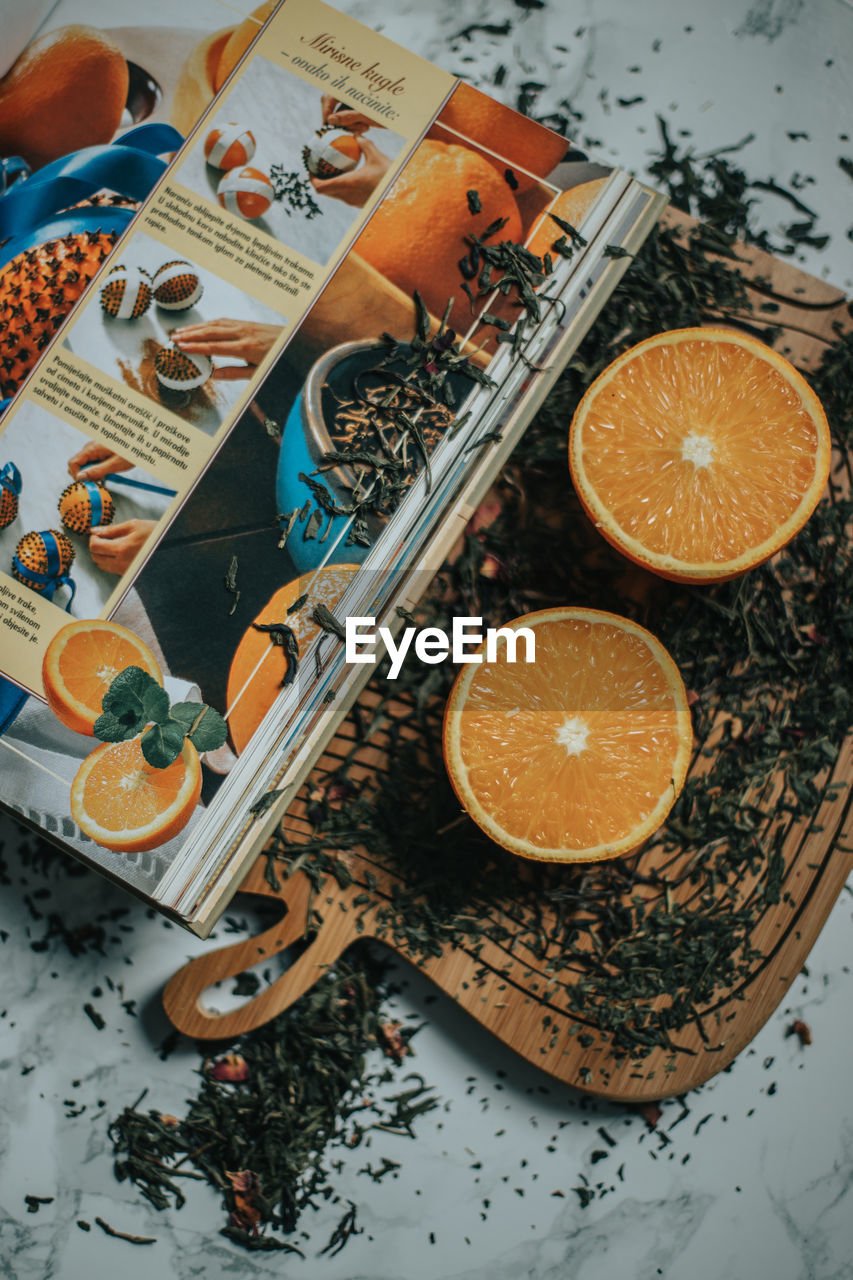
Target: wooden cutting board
<point x="505" y="981"/>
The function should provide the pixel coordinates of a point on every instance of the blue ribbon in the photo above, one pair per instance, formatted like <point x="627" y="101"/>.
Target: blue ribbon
<point x="130" y="166"/>
<point x="12" y="169"/>
<point x="10" y="478"/>
<point x="54" y="578"/>
<point x="115" y="478"/>
<point x="12" y="698"/>
<point x="96" y="501"/>
<point x="34" y="210"/>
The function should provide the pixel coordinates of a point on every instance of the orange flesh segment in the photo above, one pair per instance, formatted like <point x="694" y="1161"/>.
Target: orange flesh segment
<point x="91" y="661"/>
<point x="575" y="750"/>
<point x="700" y="450"/>
<point x="125" y="793"/>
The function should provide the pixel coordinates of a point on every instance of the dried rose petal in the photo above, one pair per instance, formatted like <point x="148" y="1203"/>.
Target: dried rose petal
<point x="246" y="1186"/>
<point x="229" y="1069"/>
<point x="492" y="567"/>
<point x="341" y="789"/>
<point x="651" y="1113"/>
<point x="487" y="512"/>
<point x="244" y="1181"/>
<point x="801" y="1030"/>
<point x="395" y="1043"/>
<point x="170" y="1122"/>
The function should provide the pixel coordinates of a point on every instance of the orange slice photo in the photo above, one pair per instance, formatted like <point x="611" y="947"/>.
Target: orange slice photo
<point x="125" y="804"/>
<point x="578" y="755"/>
<point x="699" y="453"/>
<point x="258" y="667"/>
<point x="80" y="664"/>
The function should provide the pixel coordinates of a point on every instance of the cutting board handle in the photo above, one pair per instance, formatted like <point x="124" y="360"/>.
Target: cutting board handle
<point x="182" y="997"/>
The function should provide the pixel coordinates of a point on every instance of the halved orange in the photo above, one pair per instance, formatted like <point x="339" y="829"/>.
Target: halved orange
<point x="80" y="664"/>
<point x="578" y="755"/>
<point x="259" y="667"/>
<point x="572" y="206"/>
<point x="516" y="139"/>
<point x="699" y="453"/>
<point x="125" y="804"/>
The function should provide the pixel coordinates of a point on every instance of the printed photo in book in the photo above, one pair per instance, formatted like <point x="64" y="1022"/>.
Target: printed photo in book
<point x="311" y="325"/>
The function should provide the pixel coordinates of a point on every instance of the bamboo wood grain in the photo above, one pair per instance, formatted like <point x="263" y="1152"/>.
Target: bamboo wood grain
<point x="505" y="983"/>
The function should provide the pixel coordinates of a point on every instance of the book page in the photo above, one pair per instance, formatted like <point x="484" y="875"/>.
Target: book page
<point x="312" y="335"/>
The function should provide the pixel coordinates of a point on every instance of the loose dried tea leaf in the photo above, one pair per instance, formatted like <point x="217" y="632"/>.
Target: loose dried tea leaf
<point x="294" y="191"/>
<point x="327" y="620"/>
<point x="231" y="583"/>
<point x="304" y="1089"/>
<point x="282" y="635"/>
<point x="123" y="1235"/>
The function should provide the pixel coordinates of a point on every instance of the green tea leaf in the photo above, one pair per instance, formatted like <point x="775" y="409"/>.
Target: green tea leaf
<point x="162" y="743"/>
<point x="231" y="583"/>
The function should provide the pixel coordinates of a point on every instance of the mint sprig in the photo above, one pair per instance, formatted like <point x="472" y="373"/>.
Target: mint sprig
<point x="136" y="703"/>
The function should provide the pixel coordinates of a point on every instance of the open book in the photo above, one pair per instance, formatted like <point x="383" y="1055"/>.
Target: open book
<point x="309" y="340"/>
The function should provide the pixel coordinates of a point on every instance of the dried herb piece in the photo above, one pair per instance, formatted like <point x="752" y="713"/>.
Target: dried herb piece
<point x="231" y="583"/>
<point x="264" y="802"/>
<point x="328" y="622"/>
<point x="343" y="1231"/>
<point x="474" y="203"/>
<point x="94" y="1017"/>
<point x="282" y="635"/>
<point x="294" y="191"/>
<point x="34" y="1203"/>
<point x="264" y="1139"/>
<point x="572" y="232"/>
<point x="123" y="1235"/>
<point x="801" y="1030"/>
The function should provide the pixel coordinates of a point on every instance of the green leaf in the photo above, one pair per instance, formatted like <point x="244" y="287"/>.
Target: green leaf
<point x="126" y="702"/>
<point x="204" y="727"/>
<point x="186" y="713"/>
<point x="125" y="694"/>
<point x="209" y="731"/>
<point x="155" y="703"/>
<point x="163" y="743"/>
<point x="111" y="728"/>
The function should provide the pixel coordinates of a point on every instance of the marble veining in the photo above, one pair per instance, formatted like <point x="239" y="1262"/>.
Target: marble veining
<point x="770" y="18"/>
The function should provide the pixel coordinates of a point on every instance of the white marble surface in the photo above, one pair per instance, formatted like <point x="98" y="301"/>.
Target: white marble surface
<point x="765" y="1192"/>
